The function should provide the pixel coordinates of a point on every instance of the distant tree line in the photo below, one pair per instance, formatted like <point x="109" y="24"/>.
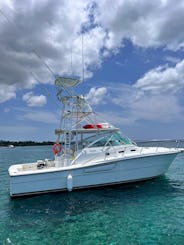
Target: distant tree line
<point x="24" y="143"/>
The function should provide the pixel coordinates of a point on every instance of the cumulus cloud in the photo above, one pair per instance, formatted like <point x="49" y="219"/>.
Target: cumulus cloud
<point x="34" y="100"/>
<point x="145" y="23"/>
<point x="35" y="33"/>
<point x="96" y="95"/>
<point x="157" y="108"/>
<point x="133" y="104"/>
<point x="171" y="59"/>
<point x="162" y="79"/>
<point x="7" y="92"/>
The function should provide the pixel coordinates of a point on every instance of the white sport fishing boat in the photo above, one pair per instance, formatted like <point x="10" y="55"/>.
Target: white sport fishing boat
<point x="91" y="153"/>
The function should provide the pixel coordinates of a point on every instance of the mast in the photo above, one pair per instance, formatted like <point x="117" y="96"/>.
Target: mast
<point x="75" y="109"/>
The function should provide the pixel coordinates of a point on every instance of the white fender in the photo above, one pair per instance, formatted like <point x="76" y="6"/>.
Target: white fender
<point x="69" y="182"/>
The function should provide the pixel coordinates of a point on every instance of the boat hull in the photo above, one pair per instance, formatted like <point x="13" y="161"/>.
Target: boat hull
<point x="109" y="173"/>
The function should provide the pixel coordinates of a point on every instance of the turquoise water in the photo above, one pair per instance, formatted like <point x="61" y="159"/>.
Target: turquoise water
<point x="150" y="212"/>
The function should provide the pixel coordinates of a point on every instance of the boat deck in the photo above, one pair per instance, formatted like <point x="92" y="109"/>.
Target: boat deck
<point x="62" y="163"/>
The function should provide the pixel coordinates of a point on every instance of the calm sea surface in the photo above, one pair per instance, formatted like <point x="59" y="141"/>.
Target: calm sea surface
<point x="150" y="212"/>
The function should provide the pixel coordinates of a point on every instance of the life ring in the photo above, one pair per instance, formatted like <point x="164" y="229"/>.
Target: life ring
<point x="57" y="148"/>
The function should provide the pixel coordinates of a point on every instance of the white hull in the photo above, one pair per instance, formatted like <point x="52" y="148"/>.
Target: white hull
<point x="123" y="170"/>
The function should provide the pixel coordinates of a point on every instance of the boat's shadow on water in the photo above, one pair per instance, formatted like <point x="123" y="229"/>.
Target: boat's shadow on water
<point x="64" y="204"/>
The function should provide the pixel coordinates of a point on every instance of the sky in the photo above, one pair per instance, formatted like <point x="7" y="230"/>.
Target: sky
<point x="133" y="61"/>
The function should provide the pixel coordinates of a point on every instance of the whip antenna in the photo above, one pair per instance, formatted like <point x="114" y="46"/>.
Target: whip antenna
<point x="71" y="61"/>
<point x="46" y="65"/>
<point x="82" y="60"/>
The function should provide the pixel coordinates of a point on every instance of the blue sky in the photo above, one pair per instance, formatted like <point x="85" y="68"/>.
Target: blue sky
<point x="133" y="56"/>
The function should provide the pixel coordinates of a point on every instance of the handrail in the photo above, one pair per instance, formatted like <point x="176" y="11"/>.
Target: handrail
<point x="80" y="153"/>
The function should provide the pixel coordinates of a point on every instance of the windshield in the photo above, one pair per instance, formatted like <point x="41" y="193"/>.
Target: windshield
<point x="108" y="139"/>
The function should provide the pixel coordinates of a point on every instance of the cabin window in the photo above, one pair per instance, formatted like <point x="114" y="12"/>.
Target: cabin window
<point x="108" y="140"/>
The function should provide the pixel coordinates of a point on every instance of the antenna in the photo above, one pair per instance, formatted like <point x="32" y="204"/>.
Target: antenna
<point x="82" y="60"/>
<point x="46" y="65"/>
<point x="71" y="61"/>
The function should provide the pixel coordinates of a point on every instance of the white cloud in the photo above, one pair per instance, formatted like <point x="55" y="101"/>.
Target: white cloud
<point x="172" y="59"/>
<point x="145" y="23"/>
<point x="132" y="104"/>
<point x="53" y="30"/>
<point x="34" y="100"/>
<point x="96" y="95"/>
<point x="162" y="79"/>
<point x="158" y="108"/>
<point x="7" y="92"/>
<point x="30" y="30"/>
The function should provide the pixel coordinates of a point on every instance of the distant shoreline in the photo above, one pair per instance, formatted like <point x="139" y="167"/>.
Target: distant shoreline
<point x="7" y="143"/>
